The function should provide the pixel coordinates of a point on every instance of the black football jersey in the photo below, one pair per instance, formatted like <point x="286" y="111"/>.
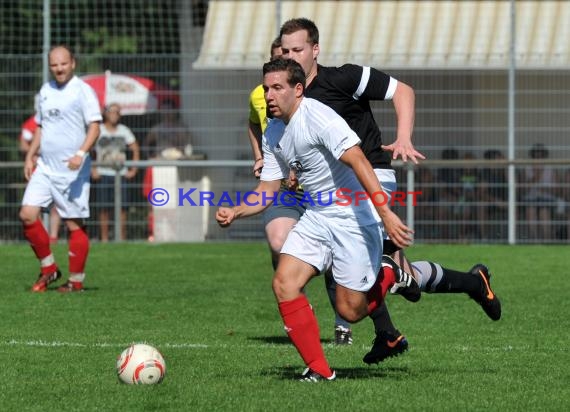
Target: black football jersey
<point x="348" y="90"/>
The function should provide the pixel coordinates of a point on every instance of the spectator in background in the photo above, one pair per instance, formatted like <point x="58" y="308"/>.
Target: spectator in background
<point x="26" y="134"/>
<point x="564" y="210"/>
<point x="68" y="118"/>
<point x="470" y="211"/>
<point x="111" y="152"/>
<point x="493" y="192"/>
<point x="539" y="184"/>
<point x="449" y="182"/>
<point x="426" y="209"/>
<point x="169" y="139"/>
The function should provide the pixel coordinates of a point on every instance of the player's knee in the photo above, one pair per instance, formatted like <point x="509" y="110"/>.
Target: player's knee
<point x="348" y="312"/>
<point x="280" y="286"/>
<point x="350" y="315"/>
<point x="284" y="287"/>
<point x="277" y="231"/>
<point x="28" y="215"/>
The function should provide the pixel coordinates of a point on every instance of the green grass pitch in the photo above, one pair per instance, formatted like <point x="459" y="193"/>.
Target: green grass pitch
<point x="209" y="308"/>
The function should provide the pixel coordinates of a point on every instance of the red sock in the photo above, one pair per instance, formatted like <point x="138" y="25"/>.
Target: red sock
<point x="38" y="238"/>
<point x="303" y="330"/>
<point x="78" y="250"/>
<point x="384" y="281"/>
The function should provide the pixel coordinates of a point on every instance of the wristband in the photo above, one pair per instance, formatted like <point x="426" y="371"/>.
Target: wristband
<point x="80" y="153"/>
<point x="258" y="159"/>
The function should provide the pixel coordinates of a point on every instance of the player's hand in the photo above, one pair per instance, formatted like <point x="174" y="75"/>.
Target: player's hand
<point x="74" y="163"/>
<point x="405" y="150"/>
<point x="225" y="216"/>
<point x="131" y="173"/>
<point x="292" y="182"/>
<point x="257" y="166"/>
<point x="29" y="165"/>
<point x="398" y="232"/>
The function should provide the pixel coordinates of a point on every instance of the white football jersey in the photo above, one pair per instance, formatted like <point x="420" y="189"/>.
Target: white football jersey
<point x="64" y="114"/>
<point x="311" y="144"/>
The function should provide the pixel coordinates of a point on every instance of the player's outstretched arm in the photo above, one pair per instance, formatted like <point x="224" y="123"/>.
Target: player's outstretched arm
<point x="404" y="105"/>
<point x="258" y="200"/>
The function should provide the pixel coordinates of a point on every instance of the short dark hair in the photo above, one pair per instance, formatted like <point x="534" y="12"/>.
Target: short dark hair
<point x="275" y="44"/>
<point x="295" y="73"/>
<point x="301" y="23"/>
<point x="538" y="151"/>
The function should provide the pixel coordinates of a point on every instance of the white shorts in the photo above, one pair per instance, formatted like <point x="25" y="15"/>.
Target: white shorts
<point x="353" y="252"/>
<point x="70" y="195"/>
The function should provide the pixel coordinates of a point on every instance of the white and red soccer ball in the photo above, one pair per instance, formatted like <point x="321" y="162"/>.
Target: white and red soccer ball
<point x="141" y="364"/>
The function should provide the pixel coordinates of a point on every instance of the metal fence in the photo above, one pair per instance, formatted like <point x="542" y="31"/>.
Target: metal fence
<point x="465" y="115"/>
<point x="456" y="201"/>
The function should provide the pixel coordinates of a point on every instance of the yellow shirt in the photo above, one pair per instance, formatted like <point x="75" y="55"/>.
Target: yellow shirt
<point x="258" y="107"/>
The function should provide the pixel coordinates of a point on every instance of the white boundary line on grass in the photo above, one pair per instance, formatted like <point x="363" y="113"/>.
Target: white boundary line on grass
<point x="53" y="344"/>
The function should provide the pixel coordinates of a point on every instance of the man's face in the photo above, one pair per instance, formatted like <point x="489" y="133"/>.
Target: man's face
<point x="276" y="53"/>
<point x="296" y="46"/>
<point x="113" y="114"/>
<point x="61" y="65"/>
<point x="282" y="99"/>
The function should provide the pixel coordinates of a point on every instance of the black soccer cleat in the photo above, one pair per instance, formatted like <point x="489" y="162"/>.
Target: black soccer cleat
<point x="385" y="346"/>
<point x="342" y="336"/>
<point x="488" y="300"/>
<point x="310" y="375"/>
<point x="405" y="284"/>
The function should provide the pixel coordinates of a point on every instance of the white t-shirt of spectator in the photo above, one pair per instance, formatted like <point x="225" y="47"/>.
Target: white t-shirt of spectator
<point x="311" y="144"/>
<point x="64" y="114"/>
<point x="111" y="148"/>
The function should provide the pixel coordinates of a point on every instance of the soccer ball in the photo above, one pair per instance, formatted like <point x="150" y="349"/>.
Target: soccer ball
<point x="141" y="364"/>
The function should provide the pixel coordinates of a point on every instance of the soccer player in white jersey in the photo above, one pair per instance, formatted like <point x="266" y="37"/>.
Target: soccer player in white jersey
<point x="348" y="90"/>
<point x="68" y="117"/>
<point x="312" y="139"/>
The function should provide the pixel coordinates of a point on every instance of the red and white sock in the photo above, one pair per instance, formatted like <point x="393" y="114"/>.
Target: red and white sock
<point x="38" y="238"/>
<point x="78" y="251"/>
<point x="303" y="330"/>
<point x="386" y="278"/>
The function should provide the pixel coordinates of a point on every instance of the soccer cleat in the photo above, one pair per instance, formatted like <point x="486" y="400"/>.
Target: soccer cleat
<point x="44" y="280"/>
<point x="405" y="284"/>
<point x="70" y="287"/>
<point x="342" y="336"/>
<point x="486" y="298"/>
<point x="385" y="346"/>
<point x="310" y="375"/>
